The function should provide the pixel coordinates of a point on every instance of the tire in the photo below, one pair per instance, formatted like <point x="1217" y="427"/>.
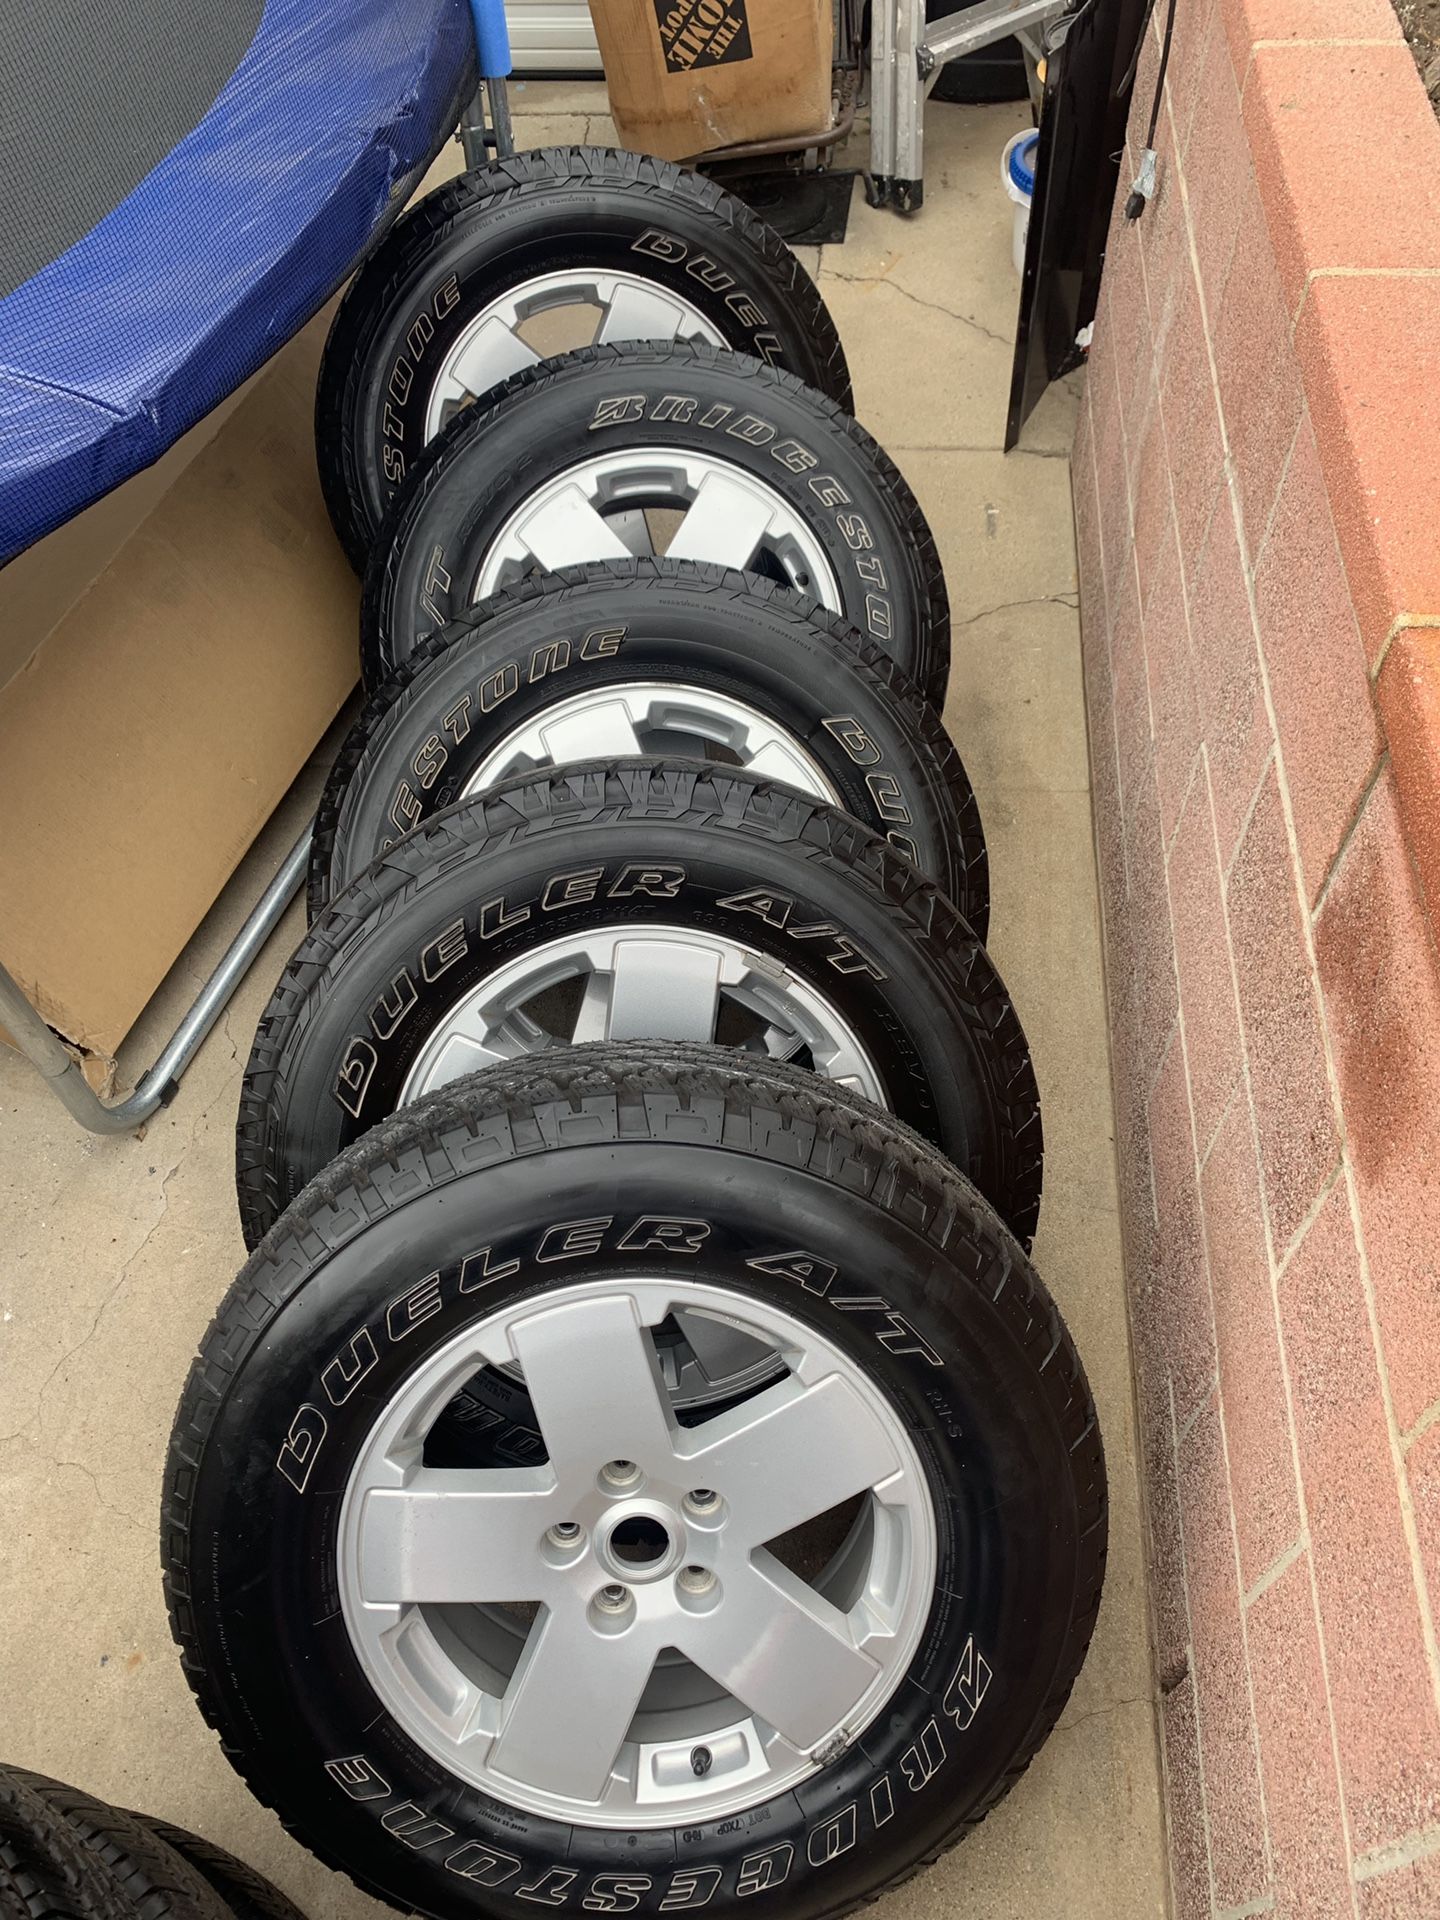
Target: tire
<point x="433" y="726"/>
<point x="838" y="931"/>
<point x="476" y="238"/>
<point x="139" y="1869"/>
<point x="247" y="1893"/>
<point x="791" y="1207"/>
<point x="45" y="1871"/>
<point x="856" y="536"/>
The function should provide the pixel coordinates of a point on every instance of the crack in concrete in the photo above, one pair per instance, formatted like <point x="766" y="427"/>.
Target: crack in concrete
<point x="1097" y="1713"/>
<point x="1070" y="600"/>
<point x="37" y="1418"/>
<point x="935" y="306"/>
<point x="109" y="1505"/>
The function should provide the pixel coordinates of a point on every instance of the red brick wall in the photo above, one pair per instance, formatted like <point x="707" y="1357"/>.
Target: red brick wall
<point x="1257" y="479"/>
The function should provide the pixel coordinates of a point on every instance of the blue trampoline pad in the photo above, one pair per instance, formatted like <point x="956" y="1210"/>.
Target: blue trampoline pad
<point x="179" y="207"/>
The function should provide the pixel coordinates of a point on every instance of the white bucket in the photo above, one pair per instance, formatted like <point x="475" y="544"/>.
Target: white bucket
<point x="1017" y="173"/>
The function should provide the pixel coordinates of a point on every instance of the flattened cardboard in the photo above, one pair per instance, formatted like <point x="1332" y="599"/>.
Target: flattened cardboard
<point x="687" y="77"/>
<point x="152" y="731"/>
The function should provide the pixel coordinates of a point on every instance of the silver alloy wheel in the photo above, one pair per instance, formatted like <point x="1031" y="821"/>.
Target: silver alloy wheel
<point x="653" y="717"/>
<point x="635" y="1634"/>
<point x="640" y="982"/>
<point x="577" y="307"/>
<point x="644" y="501"/>
<point x="643" y="982"/>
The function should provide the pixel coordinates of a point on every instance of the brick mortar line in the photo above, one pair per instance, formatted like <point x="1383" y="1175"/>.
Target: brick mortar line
<point x="1396" y="1853"/>
<point x="1250" y="1908"/>
<point x="1312" y="1214"/>
<point x="1371" y="781"/>
<point x="1369" y="273"/>
<point x="1168" y="846"/>
<point x="1210" y="1391"/>
<point x="1263" y="542"/>
<point x="1246" y="1080"/>
<point x="1421" y="1427"/>
<point x="1402" y="623"/>
<point x="1225" y="1112"/>
<point x="1277" y="1570"/>
<point x="1328" y="41"/>
<point x="1251" y="809"/>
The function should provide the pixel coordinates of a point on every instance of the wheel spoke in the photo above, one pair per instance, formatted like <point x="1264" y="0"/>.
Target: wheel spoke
<point x="456" y="1534"/>
<point x="725" y="523"/>
<point x="593" y="1380"/>
<point x="591" y="732"/>
<point x="566" y="531"/>
<point x="569" y="1704"/>
<point x="465" y="1053"/>
<point x="492" y="353"/>
<point x="791" y="1453"/>
<point x="664" y="990"/>
<point x="782" y="1650"/>
<point x="639" y="313"/>
<point x="592" y="1021"/>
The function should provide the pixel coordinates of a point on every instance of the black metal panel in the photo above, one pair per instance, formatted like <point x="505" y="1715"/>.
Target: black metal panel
<point x="1090" y="51"/>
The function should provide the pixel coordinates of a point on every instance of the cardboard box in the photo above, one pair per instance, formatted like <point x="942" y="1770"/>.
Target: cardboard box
<point x="170" y="659"/>
<point x="689" y="76"/>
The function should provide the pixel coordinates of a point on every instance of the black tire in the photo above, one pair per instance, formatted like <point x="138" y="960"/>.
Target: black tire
<point x="436" y="720"/>
<point x="45" y="1871"/>
<point x="793" y="1188"/>
<point x="139" y="1868"/>
<point x="476" y="237"/>
<point x="604" y="400"/>
<point x="655" y="843"/>
<point x="246" y="1892"/>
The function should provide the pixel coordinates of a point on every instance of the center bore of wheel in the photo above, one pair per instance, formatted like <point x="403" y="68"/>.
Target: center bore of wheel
<point x="641" y="1540"/>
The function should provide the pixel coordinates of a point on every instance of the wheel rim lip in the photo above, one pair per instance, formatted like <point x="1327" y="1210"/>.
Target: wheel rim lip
<point x="728" y="719"/>
<point x="545" y="292"/>
<point x="515" y="983"/>
<point x="432" y="1386"/>
<point x="643" y="468"/>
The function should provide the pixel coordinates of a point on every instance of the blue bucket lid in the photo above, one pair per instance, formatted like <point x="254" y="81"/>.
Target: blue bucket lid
<point x="1022" y="162"/>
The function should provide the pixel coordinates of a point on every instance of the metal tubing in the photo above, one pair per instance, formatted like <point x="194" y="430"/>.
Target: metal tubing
<point x="158" y="1087"/>
<point x="472" y="131"/>
<point x="497" y="92"/>
<point x="981" y="26"/>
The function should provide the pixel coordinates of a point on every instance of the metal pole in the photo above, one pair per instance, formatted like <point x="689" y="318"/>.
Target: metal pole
<point x="158" y="1087"/>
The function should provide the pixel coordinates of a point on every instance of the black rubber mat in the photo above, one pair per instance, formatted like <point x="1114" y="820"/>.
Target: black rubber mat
<point x="92" y="94"/>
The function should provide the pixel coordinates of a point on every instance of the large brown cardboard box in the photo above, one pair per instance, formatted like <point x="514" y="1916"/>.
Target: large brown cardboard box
<point x="168" y="662"/>
<point x="689" y="76"/>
